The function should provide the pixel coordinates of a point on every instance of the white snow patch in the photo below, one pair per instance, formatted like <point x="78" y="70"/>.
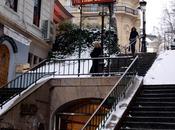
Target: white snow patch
<point x="163" y="70"/>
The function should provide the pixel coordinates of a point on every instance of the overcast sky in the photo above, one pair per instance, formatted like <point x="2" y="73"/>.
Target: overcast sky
<point x="154" y="10"/>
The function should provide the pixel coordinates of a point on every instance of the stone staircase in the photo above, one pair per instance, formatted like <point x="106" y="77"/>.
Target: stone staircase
<point x="145" y="62"/>
<point x="152" y="108"/>
<point x="7" y="93"/>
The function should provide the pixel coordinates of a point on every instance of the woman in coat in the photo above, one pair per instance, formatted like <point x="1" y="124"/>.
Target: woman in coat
<point x="133" y="38"/>
<point x="94" y="54"/>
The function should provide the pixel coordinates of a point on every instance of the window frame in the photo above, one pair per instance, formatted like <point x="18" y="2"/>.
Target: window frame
<point x="36" y="12"/>
<point x="12" y="4"/>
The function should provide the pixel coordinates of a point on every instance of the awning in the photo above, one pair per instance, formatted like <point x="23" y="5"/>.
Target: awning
<point x="60" y="13"/>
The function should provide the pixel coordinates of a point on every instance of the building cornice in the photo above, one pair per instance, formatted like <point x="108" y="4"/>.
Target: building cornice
<point x="13" y="25"/>
<point x="69" y="15"/>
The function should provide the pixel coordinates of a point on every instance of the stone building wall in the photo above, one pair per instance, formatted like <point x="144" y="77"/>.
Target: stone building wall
<point x="37" y="106"/>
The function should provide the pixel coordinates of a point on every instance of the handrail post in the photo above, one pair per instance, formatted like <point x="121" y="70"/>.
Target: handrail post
<point x="112" y="100"/>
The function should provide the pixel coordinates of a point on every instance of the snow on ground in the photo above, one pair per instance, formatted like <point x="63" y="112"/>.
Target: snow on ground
<point x="161" y="72"/>
<point x="122" y="104"/>
<point x="163" y="69"/>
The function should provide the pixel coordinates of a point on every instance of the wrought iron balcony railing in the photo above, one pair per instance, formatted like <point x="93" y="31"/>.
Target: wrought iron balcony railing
<point x="69" y="67"/>
<point x="97" y="9"/>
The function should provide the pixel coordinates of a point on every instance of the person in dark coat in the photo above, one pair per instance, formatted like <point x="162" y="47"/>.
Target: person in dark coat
<point x="133" y="39"/>
<point x="95" y="54"/>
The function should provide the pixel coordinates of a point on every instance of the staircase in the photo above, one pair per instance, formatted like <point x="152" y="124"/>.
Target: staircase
<point x="23" y="81"/>
<point x="153" y="108"/>
<point x="7" y="93"/>
<point x="145" y="62"/>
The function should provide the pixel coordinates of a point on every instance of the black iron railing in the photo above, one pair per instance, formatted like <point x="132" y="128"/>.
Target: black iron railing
<point x="28" y="78"/>
<point x="99" y="117"/>
<point x="106" y="66"/>
<point x="31" y="76"/>
<point x="68" y="67"/>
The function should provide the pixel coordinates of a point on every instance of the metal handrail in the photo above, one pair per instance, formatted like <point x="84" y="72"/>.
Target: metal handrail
<point x="96" y="121"/>
<point x="66" y="67"/>
<point x="104" y="65"/>
<point x="29" y="77"/>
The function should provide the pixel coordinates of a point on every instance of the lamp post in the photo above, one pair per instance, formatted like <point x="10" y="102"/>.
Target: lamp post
<point x="143" y="9"/>
<point x="79" y="51"/>
<point x="102" y="14"/>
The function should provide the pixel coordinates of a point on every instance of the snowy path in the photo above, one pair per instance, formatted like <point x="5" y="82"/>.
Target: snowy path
<point x="162" y="70"/>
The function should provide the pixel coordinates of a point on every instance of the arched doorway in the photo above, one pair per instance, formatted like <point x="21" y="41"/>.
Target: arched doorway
<point x="4" y="64"/>
<point x="74" y="115"/>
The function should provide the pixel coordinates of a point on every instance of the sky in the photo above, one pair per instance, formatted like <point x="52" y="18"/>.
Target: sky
<point x="154" y="9"/>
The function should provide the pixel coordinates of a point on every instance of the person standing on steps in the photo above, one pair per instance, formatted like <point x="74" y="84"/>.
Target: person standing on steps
<point x="133" y="39"/>
<point x="95" y="54"/>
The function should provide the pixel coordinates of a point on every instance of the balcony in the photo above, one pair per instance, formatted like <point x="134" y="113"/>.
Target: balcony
<point x="96" y="9"/>
<point x="126" y="9"/>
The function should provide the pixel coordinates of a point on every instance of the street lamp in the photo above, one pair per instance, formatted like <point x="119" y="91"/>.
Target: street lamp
<point x="102" y="14"/>
<point x="143" y="9"/>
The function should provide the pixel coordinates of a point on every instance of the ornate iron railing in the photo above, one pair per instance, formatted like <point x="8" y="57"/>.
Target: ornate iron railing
<point x="126" y="10"/>
<point x="69" y="67"/>
<point x="97" y="9"/>
<point x="28" y="78"/>
<point x="99" y="117"/>
<point x="106" y="66"/>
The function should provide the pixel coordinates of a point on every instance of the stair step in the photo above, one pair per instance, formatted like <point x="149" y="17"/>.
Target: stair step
<point x="6" y="93"/>
<point x="164" y="99"/>
<point x="158" y="94"/>
<point x="159" y="87"/>
<point x="153" y="103"/>
<point x="152" y="113"/>
<point x="169" y="90"/>
<point x="151" y="119"/>
<point x="142" y="129"/>
<point x="153" y="108"/>
<point x="9" y="90"/>
<point x="149" y="125"/>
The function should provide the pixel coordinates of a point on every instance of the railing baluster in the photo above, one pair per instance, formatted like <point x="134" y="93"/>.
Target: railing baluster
<point x="69" y="68"/>
<point x="48" y="66"/>
<point x="111" y="98"/>
<point x="54" y="62"/>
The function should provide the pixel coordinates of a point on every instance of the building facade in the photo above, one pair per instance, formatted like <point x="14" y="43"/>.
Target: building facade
<point x="124" y="11"/>
<point x="127" y="17"/>
<point x="26" y="34"/>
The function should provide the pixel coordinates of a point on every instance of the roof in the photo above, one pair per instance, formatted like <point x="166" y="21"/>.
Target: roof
<point x="60" y="13"/>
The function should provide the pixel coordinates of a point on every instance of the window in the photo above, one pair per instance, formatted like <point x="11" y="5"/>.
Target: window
<point x="12" y="4"/>
<point x="30" y="58"/>
<point x="36" y="12"/>
<point x="35" y="60"/>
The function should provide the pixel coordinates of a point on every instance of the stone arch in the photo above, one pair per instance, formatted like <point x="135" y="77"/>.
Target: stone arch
<point x="11" y="41"/>
<point x="74" y="114"/>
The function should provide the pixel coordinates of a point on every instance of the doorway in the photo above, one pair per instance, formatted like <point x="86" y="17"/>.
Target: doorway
<point x="4" y="64"/>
